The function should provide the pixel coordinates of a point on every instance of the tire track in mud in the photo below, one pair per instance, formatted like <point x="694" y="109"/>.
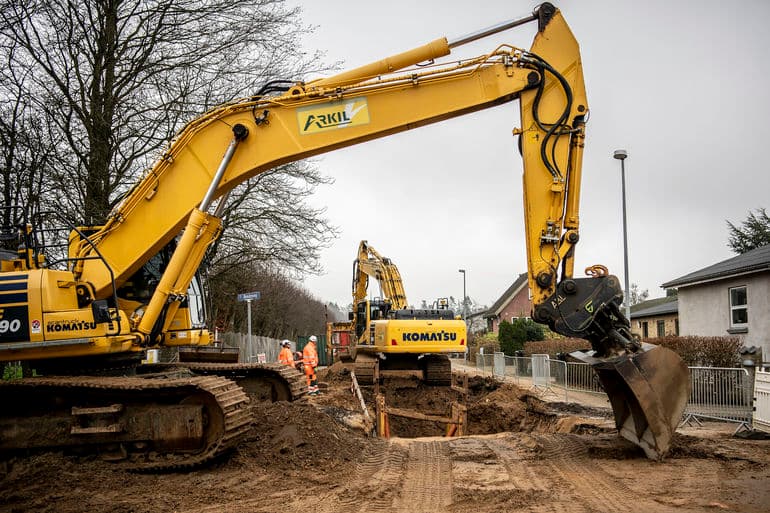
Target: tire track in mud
<point x="397" y="477"/>
<point x="522" y="473"/>
<point x="588" y="487"/>
<point x="427" y="482"/>
<point x="378" y="478"/>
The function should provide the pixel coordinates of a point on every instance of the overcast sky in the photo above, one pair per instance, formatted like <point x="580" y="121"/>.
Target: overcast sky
<point x="681" y="85"/>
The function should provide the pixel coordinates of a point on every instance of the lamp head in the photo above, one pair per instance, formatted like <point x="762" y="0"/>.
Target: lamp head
<point x="621" y="154"/>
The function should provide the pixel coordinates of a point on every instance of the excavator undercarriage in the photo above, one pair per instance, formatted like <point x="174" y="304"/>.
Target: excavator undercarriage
<point x="433" y="369"/>
<point x="146" y="424"/>
<point x="148" y="417"/>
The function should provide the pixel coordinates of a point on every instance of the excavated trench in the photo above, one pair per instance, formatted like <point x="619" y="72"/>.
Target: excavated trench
<point x="492" y="407"/>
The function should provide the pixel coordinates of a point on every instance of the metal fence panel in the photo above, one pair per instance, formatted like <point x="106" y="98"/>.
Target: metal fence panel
<point x="541" y="371"/>
<point x="250" y="350"/>
<point x="581" y="377"/>
<point x="761" y="420"/>
<point x="717" y="393"/>
<point x="720" y="393"/>
<point x="558" y="372"/>
<point x="484" y="362"/>
<point x="499" y="364"/>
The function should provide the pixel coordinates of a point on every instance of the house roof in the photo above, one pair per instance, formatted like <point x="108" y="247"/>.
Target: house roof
<point x="670" y="306"/>
<point x="650" y="303"/>
<point x="756" y="260"/>
<point x="507" y="296"/>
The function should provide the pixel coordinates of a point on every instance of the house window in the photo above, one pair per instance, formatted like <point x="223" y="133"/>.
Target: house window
<point x="661" y="328"/>
<point x="645" y="330"/>
<point x="739" y="311"/>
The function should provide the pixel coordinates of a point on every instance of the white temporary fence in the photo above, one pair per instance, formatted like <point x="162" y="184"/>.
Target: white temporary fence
<point x="717" y="393"/>
<point x="761" y="421"/>
<point x="498" y="362"/>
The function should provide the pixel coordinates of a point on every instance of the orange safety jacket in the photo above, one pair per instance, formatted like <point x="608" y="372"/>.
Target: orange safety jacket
<point x="286" y="357"/>
<point x="310" y="355"/>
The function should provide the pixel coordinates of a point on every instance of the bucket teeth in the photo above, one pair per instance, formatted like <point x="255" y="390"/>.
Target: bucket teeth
<point x="648" y="391"/>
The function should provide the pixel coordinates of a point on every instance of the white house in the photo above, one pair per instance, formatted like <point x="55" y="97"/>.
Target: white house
<point x="728" y="298"/>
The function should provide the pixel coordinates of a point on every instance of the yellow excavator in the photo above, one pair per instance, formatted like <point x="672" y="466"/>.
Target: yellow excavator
<point x="387" y="335"/>
<point x="98" y="311"/>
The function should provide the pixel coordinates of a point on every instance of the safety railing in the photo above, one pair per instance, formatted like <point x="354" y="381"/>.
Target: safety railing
<point x="538" y="372"/>
<point x="582" y="378"/>
<point x="717" y="393"/>
<point x="720" y="393"/>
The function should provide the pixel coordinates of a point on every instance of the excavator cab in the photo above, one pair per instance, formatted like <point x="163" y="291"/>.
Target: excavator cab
<point x="370" y="310"/>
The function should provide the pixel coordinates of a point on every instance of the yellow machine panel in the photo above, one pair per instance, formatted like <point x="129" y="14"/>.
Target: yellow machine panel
<point x="419" y="336"/>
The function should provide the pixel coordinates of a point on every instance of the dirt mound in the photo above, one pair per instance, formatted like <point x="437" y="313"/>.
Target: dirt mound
<point x="294" y="436"/>
<point x="336" y="374"/>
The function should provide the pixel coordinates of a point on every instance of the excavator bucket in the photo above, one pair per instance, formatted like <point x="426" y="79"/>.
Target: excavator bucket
<point x="648" y="391"/>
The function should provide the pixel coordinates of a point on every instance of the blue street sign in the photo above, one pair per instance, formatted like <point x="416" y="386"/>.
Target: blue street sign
<point x="248" y="295"/>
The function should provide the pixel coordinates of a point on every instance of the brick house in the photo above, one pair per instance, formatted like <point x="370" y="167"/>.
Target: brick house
<point x="514" y="303"/>
<point x="655" y="317"/>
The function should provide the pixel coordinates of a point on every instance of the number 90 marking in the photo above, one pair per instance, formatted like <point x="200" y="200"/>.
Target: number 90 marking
<point x="12" y="325"/>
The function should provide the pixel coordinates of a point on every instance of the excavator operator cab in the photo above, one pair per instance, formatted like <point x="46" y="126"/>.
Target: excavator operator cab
<point x="370" y="310"/>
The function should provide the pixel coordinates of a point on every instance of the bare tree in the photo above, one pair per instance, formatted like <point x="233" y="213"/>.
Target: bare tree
<point x="269" y="221"/>
<point x="637" y="295"/>
<point x="284" y="310"/>
<point x="26" y="150"/>
<point x="118" y="77"/>
<point x="115" y="79"/>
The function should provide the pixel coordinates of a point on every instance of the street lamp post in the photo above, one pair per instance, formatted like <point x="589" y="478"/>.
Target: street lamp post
<point x="464" y="296"/>
<point x="622" y="155"/>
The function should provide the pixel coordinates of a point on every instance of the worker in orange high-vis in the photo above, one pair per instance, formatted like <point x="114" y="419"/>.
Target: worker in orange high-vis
<point x="286" y="357"/>
<point x="310" y="359"/>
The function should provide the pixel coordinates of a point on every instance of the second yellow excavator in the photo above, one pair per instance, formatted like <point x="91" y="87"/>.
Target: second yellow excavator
<point x="384" y="334"/>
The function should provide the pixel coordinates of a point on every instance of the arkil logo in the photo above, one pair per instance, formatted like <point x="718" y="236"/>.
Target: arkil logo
<point x="333" y="115"/>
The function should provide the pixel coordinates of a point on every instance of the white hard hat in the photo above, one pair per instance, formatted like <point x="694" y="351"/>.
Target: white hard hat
<point x="285" y="343"/>
<point x="313" y="338"/>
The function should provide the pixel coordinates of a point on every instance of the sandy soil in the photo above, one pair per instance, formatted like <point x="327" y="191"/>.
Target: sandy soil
<point x="522" y="455"/>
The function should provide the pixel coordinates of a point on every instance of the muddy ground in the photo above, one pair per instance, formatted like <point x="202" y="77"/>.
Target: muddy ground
<point x="521" y="455"/>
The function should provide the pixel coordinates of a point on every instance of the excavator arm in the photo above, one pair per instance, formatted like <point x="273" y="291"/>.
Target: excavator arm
<point x="383" y="98"/>
<point x="371" y="264"/>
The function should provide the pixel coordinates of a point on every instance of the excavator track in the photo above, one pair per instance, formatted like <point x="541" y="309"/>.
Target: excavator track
<point x="437" y="370"/>
<point x="365" y="366"/>
<point x="262" y="381"/>
<point x="141" y="424"/>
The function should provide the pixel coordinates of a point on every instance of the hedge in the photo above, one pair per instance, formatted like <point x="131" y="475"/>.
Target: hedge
<point x="703" y="351"/>
<point x="695" y="351"/>
<point x="555" y="346"/>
